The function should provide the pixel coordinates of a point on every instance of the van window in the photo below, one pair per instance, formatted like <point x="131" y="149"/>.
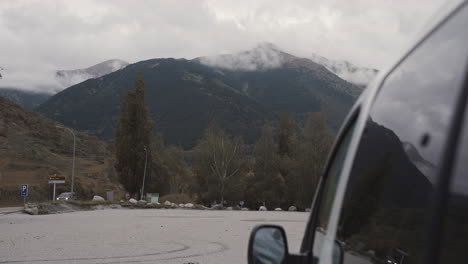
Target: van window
<point x="393" y="176"/>
<point x="329" y="188"/>
<point x="456" y="223"/>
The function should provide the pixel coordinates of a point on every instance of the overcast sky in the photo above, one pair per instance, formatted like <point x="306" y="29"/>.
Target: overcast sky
<point x="38" y="37"/>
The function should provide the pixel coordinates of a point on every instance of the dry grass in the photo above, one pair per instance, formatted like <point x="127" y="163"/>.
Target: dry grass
<point x="32" y="148"/>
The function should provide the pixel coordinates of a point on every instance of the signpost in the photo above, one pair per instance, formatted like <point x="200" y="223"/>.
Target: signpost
<point x="24" y="192"/>
<point x="56" y="179"/>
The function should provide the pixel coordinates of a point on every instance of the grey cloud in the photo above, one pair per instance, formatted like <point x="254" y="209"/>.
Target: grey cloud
<point x="39" y="36"/>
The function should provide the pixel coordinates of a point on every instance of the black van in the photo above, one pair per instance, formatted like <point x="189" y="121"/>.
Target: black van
<point x="395" y="188"/>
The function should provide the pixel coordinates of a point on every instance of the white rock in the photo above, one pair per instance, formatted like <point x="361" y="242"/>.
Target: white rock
<point x="173" y="205"/>
<point x="229" y="208"/>
<point x="292" y="208"/>
<point x="167" y="203"/>
<point x="97" y="198"/>
<point x="278" y="209"/>
<point x="98" y="207"/>
<point x="245" y="209"/>
<point x="262" y="208"/>
<point x="217" y="207"/>
<point x="132" y="201"/>
<point x="181" y="205"/>
<point x="307" y="210"/>
<point x="189" y="205"/>
<point x="142" y="202"/>
<point x="32" y="210"/>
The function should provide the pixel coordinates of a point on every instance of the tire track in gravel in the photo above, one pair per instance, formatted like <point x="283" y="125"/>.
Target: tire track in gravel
<point x="222" y="247"/>
<point x="182" y="248"/>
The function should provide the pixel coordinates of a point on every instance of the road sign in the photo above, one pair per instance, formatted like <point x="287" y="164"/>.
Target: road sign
<point x="24" y="190"/>
<point x="56" y="179"/>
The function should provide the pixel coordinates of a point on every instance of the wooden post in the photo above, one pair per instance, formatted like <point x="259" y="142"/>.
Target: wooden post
<point x="53" y="197"/>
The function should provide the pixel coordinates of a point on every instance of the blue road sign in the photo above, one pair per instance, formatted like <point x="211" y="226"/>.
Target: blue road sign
<point x="24" y="190"/>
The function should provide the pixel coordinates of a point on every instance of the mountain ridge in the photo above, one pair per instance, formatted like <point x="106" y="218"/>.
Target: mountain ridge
<point x="184" y="96"/>
<point x="27" y="99"/>
<point x="68" y="78"/>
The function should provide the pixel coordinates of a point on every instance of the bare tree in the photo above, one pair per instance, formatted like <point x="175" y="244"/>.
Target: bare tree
<point x="218" y="163"/>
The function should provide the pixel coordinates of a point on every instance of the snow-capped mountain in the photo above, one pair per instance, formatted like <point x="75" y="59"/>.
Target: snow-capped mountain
<point x="354" y="74"/>
<point x="268" y="56"/>
<point x="262" y="57"/>
<point x="68" y="78"/>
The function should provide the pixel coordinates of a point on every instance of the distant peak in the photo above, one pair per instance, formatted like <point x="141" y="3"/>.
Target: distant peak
<point x="346" y="70"/>
<point x="267" y="46"/>
<point x="68" y="78"/>
<point x="264" y="55"/>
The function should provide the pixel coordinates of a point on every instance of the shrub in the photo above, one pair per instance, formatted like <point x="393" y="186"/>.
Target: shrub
<point x="177" y="198"/>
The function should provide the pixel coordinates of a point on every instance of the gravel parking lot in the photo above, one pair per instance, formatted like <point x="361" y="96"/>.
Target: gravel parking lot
<point x="138" y="236"/>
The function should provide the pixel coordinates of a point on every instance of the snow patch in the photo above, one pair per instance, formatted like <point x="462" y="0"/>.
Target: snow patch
<point x="264" y="56"/>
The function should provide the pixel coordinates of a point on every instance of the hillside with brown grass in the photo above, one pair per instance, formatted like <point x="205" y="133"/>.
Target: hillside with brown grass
<point x="32" y="147"/>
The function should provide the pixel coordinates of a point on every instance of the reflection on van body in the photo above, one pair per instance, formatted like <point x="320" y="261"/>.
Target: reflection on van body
<point x="383" y="218"/>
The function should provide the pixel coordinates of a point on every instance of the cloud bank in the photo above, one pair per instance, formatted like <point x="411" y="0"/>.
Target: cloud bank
<point x="41" y="36"/>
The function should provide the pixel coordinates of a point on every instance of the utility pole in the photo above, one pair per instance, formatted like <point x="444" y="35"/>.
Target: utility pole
<point x="144" y="174"/>
<point x="73" y="165"/>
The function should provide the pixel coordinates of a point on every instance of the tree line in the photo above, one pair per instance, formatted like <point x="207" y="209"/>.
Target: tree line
<point x="281" y="169"/>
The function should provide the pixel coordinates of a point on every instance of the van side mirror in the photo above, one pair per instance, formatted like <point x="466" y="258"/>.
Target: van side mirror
<point x="267" y="245"/>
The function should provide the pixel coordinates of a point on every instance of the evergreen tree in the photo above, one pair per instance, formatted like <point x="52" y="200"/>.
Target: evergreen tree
<point x="158" y="180"/>
<point x="316" y="142"/>
<point x="267" y="185"/>
<point x="285" y="133"/>
<point x="288" y="141"/>
<point x="133" y="136"/>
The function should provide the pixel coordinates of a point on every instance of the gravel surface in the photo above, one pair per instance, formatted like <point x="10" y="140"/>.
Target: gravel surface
<point x="9" y="210"/>
<point x="138" y="236"/>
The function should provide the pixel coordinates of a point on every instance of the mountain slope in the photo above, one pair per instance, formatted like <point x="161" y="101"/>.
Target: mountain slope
<point x="32" y="147"/>
<point x="184" y="96"/>
<point x="68" y="78"/>
<point x="360" y="76"/>
<point x="284" y="82"/>
<point x="27" y="99"/>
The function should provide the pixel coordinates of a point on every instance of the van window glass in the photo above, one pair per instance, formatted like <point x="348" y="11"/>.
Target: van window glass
<point x="392" y="180"/>
<point x="329" y="188"/>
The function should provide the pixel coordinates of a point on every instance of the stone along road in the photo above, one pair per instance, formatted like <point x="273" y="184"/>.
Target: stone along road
<point x="138" y="236"/>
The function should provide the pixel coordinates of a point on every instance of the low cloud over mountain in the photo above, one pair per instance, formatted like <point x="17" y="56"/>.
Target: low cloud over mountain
<point x="268" y="56"/>
<point x="68" y="78"/>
